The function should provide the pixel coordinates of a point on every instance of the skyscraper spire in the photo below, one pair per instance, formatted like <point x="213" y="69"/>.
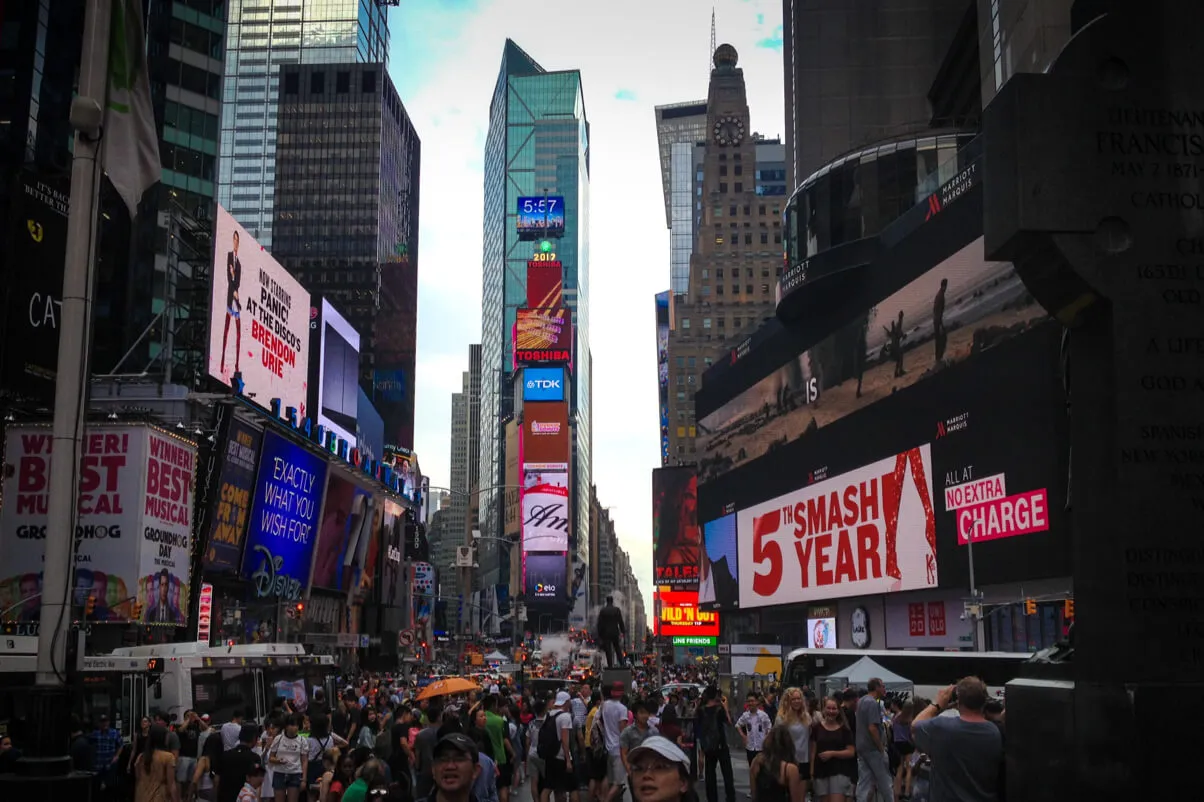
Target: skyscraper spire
<point x="711" y="52"/>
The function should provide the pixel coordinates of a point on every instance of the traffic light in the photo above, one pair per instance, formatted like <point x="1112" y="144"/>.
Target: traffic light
<point x="1068" y="609"/>
<point x="89" y="605"/>
<point x="1030" y="607"/>
<point x="300" y="609"/>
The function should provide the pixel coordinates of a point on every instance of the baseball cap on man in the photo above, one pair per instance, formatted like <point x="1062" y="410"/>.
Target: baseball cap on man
<point x="661" y="746"/>
<point x="562" y="698"/>
<point x="459" y="742"/>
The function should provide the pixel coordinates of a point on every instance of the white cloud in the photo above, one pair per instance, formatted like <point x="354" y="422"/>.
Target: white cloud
<point x="633" y="55"/>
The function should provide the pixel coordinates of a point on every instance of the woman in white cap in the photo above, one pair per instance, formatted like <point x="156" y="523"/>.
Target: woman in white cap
<point x="660" y="772"/>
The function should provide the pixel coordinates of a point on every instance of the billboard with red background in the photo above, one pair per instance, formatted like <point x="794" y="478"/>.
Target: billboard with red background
<point x="678" y="614"/>
<point x="543" y="335"/>
<point x="545" y="285"/>
<point x="676" y="542"/>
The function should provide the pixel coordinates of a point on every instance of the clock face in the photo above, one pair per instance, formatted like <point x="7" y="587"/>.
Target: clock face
<point x="728" y="130"/>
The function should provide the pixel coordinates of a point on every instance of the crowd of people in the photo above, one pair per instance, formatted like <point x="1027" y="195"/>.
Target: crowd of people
<point x="377" y="742"/>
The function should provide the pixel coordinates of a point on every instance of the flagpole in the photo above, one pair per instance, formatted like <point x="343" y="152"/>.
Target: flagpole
<point x="70" y="397"/>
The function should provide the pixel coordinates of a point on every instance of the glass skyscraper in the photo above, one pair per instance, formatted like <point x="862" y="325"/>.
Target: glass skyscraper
<point x="262" y="35"/>
<point x="537" y="143"/>
<point x="680" y="128"/>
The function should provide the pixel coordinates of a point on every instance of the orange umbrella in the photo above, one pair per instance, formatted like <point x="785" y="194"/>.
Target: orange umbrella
<point x="445" y="687"/>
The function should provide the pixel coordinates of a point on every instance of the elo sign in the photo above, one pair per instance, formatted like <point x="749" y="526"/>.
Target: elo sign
<point x="543" y="384"/>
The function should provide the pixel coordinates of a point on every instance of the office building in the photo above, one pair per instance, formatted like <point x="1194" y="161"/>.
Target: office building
<point x="680" y="127"/>
<point x="537" y="144"/>
<point x="737" y="256"/>
<point x="346" y="217"/>
<point x="264" y="35"/>
<point x="464" y="464"/>
<point x="857" y="72"/>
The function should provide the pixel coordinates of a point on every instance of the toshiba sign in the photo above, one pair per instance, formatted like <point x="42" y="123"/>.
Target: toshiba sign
<point x="871" y="530"/>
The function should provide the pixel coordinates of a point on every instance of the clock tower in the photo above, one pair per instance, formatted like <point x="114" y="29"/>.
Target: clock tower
<point x="737" y="254"/>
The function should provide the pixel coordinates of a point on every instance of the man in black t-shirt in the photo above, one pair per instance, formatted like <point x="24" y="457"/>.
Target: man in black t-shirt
<point x="236" y="763"/>
<point x="711" y="724"/>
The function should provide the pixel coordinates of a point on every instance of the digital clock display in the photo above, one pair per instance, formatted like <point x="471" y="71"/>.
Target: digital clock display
<point x="540" y="216"/>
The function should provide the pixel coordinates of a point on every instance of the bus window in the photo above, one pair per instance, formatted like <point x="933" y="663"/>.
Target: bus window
<point x="223" y="693"/>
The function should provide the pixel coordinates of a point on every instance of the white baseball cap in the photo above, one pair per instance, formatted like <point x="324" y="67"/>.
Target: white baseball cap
<point x="562" y="698"/>
<point x="663" y="747"/>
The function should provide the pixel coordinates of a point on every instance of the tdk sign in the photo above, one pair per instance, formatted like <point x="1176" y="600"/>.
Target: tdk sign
<point x="543" y="384"/>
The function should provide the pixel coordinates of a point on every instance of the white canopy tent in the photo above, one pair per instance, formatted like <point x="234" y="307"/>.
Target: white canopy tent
<point x="858" y="675"/>
<point x="496" y="657"/>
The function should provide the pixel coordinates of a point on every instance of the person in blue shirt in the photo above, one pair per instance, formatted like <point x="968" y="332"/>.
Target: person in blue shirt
<point x="106" y="749"/>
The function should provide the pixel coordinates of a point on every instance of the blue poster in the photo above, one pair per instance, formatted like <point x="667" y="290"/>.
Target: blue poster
<point x="284" y="519"/>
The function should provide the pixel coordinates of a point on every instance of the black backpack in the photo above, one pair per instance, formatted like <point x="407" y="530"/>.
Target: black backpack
<point x="709" y="736"/>
<point x="548" y="747"/>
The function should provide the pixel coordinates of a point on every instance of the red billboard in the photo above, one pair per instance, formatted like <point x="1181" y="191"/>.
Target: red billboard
<point x="676" y="542"/>
<point x="545" y="433"/>
<point x="543" y="336"/>
<point x="545" y="285"/>
<point x="679" y="615"/>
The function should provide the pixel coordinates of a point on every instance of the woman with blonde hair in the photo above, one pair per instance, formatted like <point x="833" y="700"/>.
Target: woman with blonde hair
<point x="796" y="718"/>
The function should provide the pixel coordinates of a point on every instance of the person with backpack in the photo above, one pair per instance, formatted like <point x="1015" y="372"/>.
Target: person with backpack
<point x="711" y="723"/>
<point x="535" y="764"/>
<point x="615" y="717"/>
<point x="555" y="749"/>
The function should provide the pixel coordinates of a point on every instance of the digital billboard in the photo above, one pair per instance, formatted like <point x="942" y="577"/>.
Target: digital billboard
<point x="546" y="577"/>
<point x="258" y="321"/>
<point x="543" y="336"/>
<point x="232" y="507"/>
<point x="284" y="518"/>
<point x="990" y="437"/>
<point x="344" y="513"/>
<point x="545" y="434"/>
<point x="545" y="510"/>
<point x="132" y="533"/>
<point x="512" y="505"/>
<point x="334" y="370"/>
<point x="369" y="427"/>
<point x="540" y="216"/>
<point x="543" y="384"/>
<point x="680" y="615"/>
<point x="33" y="298"/>
<point x="957" y="309"/>
<point x="871" y="530"/>
<point x="545" y="284"/>
<point x="662" y="370"/>
<point x="392" y="578"/>
<point x="675" y="535"/>
<point x="394" y="343"/>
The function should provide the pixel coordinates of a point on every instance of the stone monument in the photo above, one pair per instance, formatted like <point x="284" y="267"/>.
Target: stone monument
<point x="1094" y="188"/>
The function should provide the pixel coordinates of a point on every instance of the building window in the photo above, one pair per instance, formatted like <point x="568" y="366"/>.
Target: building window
<point x="722" y="186"/>
<point x="681" y="380"/>
<point x="761" y="210"/>
<point x="706" y="273"/>
<point x="723" y="169"/>
<point x="681" y="396"/>
<point x="722" y="157"/>
<point x="317" y="82"/>
<point x="706" y="360"/>
<point x="748" y="272"/>
<point x="719" y="289"/>
<point x="681" y="431"/>
<point x="764" y="238"/>
<point x="777" y="238"/>
<point x="706" y="322"/>
<point x="739" y="187"/>
<point x="748" y="239"/>
<point x="342" y="82"/>
<point x="292" y="83"/>
<point x="764" y="288"/>
<point x="718" y="240"/>
<point x="692" y="363"/>
<point x="719" y="272"/>
<point x="681" y="361"/>
<point x="735" y="289"/>
<point x="694" y="379"/>
<point x="735" y="322"/>
<point x="739" y="170"/>
<point x="706" y="289"/>
<point x="732" y="211"/>
<point x="717" y="212"/>
<point x="368" y="81"/>
<point x="685" y="323"/>
<point x="765" y="272"/>
<point x="737" y="157"/>
<point x="748" y="289"/>
<point x="722" y="322"/>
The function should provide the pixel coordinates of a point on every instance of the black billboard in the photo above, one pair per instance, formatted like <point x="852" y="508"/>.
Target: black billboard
<point x="232" y="506"/>
<point x="32" y="295"/>
<point x="997" y="430"/>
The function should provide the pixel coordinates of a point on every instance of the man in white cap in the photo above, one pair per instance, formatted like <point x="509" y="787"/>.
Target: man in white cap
<point x="558" y="765"/>
<point x="660" y="771"/>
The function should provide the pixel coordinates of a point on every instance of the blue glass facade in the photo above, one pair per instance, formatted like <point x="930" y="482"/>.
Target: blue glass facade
<point x="537" y="143"/>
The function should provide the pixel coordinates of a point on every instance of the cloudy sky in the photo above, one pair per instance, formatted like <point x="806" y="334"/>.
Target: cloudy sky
<point x="633" y="55"/>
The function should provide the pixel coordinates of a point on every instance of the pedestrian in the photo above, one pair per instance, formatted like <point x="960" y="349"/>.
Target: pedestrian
<point x="873" y="770"/>
<point x="288" y="755"/>
<point x="966" y="749"/>
<point x="155" y="770"/>
<point x="797" y="721"/>
<point x="753" y="725"/>
<point x="774" y="773"/>
<point x="833" y="755"/>
<point x="660" y="772"/>
<point x="711" y="723"/>
<point x="457" y="765"/>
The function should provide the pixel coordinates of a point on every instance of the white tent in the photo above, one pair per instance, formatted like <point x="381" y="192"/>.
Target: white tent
<point x="858" y="675"/>
<point x="496" y="657"/>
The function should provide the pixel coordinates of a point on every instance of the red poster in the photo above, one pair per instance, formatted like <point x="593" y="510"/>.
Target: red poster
<point x="545" y="285"/>
<point x="915" y="619"/>
<point x="936" y="618"/>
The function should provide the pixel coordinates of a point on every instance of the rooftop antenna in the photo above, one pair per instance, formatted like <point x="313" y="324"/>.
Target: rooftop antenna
<point x="711" y="54"/>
